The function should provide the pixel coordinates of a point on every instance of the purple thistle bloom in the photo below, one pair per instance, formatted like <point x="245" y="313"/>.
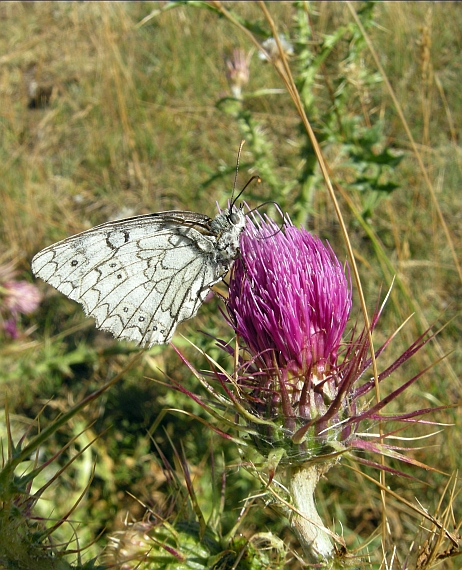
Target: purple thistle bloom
<point x="289" y="301"/>
<point x="289" y="298"/>
<point x="297" y="386"/>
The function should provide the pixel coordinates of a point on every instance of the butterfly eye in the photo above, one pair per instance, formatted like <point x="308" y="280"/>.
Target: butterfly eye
<point x="234" y="218"/>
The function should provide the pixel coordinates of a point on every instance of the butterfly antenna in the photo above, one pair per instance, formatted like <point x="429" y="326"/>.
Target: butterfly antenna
<point x="237" y="169"/>
<point x="256" y="177"/>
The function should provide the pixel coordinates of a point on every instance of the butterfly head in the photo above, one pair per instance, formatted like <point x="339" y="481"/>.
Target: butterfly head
<point x="227" y="226"/>
<point x="231" y="219"/>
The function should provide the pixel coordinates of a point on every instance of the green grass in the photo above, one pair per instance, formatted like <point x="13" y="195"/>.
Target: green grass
<point x="133" y="127"/>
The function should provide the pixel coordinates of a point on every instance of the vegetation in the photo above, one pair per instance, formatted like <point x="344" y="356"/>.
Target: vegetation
<point x="115" y="109"/>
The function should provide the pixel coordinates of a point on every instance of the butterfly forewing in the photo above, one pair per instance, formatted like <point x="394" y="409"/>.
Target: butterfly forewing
<point x="140" y="277"/>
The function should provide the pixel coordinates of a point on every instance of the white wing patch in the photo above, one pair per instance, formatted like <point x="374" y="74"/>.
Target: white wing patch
<point x="140" y="277"/>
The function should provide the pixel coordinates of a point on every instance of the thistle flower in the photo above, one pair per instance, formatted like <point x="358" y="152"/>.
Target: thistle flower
<point x="16" y="298"/>
<point x="237" y="71"/>
<point x="20" y="297"/>
<point x="299" y="388"/>
<point x="289" y="300"/>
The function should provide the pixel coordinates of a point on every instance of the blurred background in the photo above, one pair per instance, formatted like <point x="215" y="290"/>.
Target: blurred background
<point x="110" y="110"/>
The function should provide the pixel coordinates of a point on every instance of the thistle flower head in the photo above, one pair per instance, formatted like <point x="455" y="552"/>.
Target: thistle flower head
<point x="299" y="386"/>
<point x="16" y="298"/>
<point x="289" y="298"/>
<point x="237" y="71"/>
<point x="289" y="301"/>
<point x="20" y="297"/>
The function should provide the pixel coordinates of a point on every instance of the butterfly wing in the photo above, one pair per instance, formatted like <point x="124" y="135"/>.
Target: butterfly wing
<point x="140" y="277"/>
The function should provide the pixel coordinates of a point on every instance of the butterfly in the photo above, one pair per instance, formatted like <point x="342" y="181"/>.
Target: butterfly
<point x="142" y="276"/>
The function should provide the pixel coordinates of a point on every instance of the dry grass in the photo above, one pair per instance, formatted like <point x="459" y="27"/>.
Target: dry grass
<point x="129" y="125"/>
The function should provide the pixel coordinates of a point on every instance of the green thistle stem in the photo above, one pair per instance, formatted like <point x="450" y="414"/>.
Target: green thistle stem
<point x="308" y="526"/>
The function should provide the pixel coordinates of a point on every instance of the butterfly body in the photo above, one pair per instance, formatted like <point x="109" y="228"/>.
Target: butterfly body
<point x="140" y="277"/>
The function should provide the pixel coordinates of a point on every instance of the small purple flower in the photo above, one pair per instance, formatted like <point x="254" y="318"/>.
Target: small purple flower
<point x="16" y="297"/>
<point x="20" y="297"/>
<point x="289" y="298"/>
<point x="237" y="71"/>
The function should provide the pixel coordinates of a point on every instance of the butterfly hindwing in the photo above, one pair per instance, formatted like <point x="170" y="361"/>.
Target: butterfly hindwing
<point x="140" y="277"/>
